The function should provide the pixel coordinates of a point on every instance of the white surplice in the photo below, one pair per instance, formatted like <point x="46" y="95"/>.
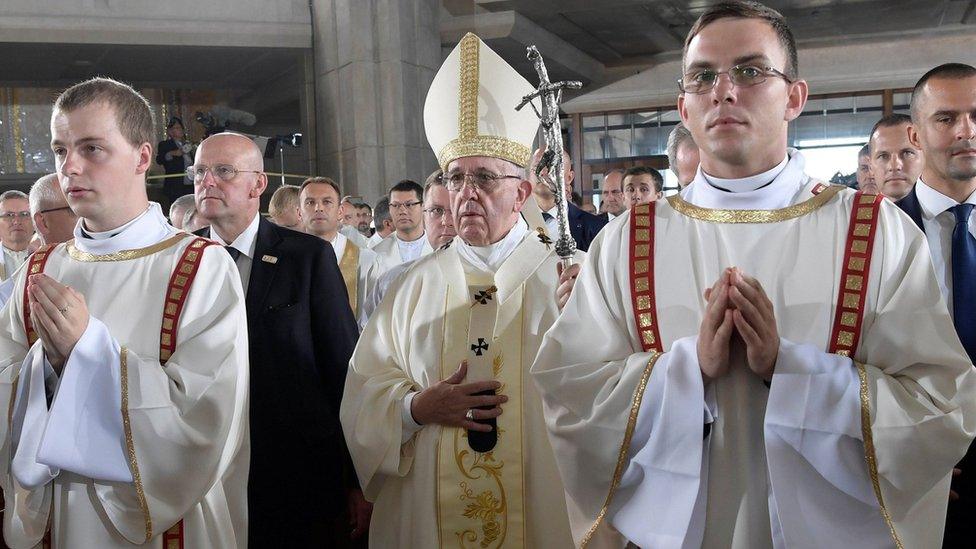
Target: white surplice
<point x="784" y="466"/>
<point x="120" y="447"/>
<point x="389" y="252"/>
<point x="364" y="270"/>
<point x="402" y="351"/>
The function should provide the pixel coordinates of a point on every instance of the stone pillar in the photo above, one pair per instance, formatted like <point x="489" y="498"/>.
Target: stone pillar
<point x="373" y="63"/>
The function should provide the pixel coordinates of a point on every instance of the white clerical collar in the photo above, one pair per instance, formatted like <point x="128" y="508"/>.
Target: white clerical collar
<point x="489" y="258"/>
<point x="410" y="243"/>
<point x="770" y="190"/>
<point x="934" y="203"/>
<point x="610" y="216"/>
<point x="148" y="228"/>
<point x="246" y="241"/>
<point x="552" y="211"/>
<point x="339" y="245"/>
<point x="19" y="255"/>
<point x="746" y="184"/>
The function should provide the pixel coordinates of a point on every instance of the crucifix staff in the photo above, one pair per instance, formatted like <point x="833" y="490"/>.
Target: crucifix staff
<point x="550" y="94"/>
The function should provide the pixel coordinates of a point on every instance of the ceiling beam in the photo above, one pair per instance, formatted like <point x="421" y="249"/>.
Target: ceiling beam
<point x="514" y="26"/>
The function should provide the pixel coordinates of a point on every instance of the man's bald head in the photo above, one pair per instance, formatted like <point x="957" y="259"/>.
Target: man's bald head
<point x="231" y="200"/>
<point x="245" y="150"/>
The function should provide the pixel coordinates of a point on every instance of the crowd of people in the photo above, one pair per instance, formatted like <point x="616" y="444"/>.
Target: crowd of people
<point x="761" y="360"/>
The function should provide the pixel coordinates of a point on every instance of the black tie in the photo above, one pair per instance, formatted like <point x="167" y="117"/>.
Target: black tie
<point x="964" y="279"/>
<point x="234" y="252"/>
<point x="547" y="217"/>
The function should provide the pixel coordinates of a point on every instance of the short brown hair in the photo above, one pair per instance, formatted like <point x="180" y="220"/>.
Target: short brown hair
<point x="321" y="181"/>
<point x="133" y="115"/>
<point x="747" y="9"/>
<point x="634" y="171"/>
<point x="433" y="180"/>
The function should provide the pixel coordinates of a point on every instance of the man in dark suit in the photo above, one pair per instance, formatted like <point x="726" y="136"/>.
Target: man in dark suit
<point x="173" y="155"/>
<point x="583" y="226"/>
<point x="941" y="203"/>
<point x="301" y="336"/>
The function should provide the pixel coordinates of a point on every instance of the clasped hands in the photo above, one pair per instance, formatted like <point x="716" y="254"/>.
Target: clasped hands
<point x="59" y="315"/>
<point x="455" y="404"/>
<point x="737" y="313"/>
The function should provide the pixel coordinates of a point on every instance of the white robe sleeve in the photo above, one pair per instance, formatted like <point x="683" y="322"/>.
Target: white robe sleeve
<point x="372" y="409"/>
<point x="83" y="431"/>
<point x="596" y="384"/>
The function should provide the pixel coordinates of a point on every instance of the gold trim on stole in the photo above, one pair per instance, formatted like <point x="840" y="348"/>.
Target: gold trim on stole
<point x="349" y="267"/>
<point x="753" y="216"/>
<point x="624" y="447"/>
<point x="130" y="448"/>
<point x="869" y="452"/>
<point x="125" y="255"/>
<point x="480" y="495"/>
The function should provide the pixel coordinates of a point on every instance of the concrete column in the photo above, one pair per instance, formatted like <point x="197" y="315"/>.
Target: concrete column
<point x="374" y="61"/>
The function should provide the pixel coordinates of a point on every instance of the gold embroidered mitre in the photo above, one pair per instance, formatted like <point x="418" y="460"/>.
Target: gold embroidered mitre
<point x="470" y="108"/>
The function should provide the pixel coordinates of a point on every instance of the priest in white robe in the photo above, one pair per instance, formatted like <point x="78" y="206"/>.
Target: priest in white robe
<point x="408" y="242"/>
<point x="123" y="364"/>
<point x="440" y="416"/>
<point x="764" y="360"/>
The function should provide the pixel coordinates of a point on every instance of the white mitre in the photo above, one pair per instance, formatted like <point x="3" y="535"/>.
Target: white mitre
<point x="470" y="108"/>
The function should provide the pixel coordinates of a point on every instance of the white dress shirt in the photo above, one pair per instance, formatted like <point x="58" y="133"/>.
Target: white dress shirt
<point x="244" y="243"/>
<point x="411" y="250"/>
<point x="939" y="224"/>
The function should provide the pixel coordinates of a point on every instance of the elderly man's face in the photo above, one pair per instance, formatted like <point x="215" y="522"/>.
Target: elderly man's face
<point x="16" y="227"/>
<point x="438" y="222"/>
<point x="218" y="199"/>
<point x="484" y="216"/>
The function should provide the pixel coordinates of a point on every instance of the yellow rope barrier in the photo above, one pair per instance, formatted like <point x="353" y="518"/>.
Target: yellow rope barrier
<point x="269" y="174"/>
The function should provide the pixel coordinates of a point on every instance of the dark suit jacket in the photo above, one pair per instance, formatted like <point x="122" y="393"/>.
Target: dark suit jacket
<point x="175" y="164"/>
<point x="960" y="526"/>
<point x="301" y="336"/>
<point x="584" y="226"/>
<point x="909" y="204"/>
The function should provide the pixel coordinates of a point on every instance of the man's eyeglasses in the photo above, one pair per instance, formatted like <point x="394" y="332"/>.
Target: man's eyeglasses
<point x="404" y="205"/>
<point x="435" y="212"/>
<point x="484" y="182"/>
<point x="49" y="210"/>
<point x="222" y="172"/>
<point x="742" y="76"/>
<point x="10" y="216"/>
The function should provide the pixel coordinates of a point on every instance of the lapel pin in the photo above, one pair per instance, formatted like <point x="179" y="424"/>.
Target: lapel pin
<point x="269" y="259"/>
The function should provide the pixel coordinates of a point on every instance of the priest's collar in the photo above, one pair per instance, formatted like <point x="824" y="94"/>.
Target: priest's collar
<point x="776" y="188"/>
<point x="489" y="258"/>
<point x="246" y="241"/>
<point x="147" y="229"/>
<point x="745" y="184"/>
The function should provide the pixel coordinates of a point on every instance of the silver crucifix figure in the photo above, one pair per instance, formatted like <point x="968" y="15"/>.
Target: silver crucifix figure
<point x="550" y="95"/>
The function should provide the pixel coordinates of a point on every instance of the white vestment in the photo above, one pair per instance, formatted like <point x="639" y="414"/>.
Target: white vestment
<point x="388" y="253"/>
<point x="11" y="261"/>
<point x="128" y="446"/>
<point x="791" y="465"/>
<point x="423" y="328"/>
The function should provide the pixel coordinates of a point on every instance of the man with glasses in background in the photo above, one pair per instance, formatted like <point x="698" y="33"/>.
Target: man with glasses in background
<point x="731" y="369"/>
<point x="439" y="229"/>
<point x="301" y="333"/>
<point x="407" y="242"/>
<point x="16" y="230"/>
